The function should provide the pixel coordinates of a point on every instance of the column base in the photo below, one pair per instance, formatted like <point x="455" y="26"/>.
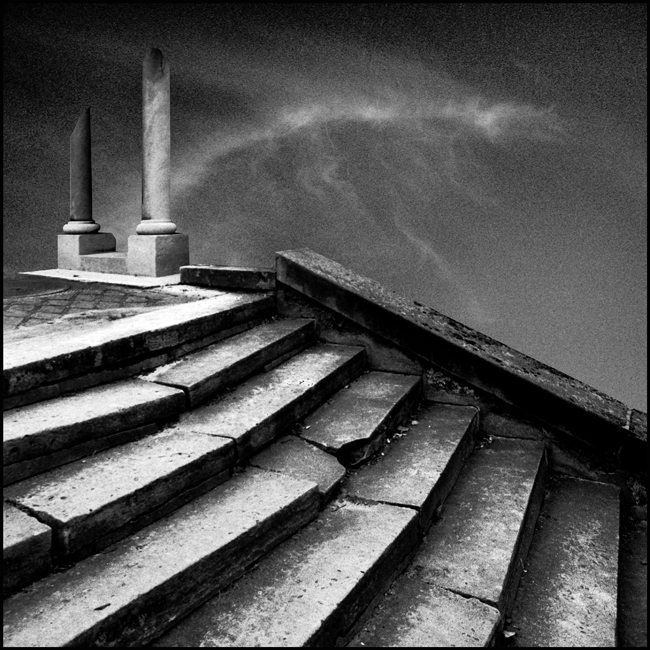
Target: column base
<point x="157" y="255"/>
<point x="72" y="247"/>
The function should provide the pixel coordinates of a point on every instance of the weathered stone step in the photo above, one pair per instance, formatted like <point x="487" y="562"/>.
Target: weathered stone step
<point x="464" y="575"/>
<point x="26" y="549"/>
<point x="354" y="423"/>
<point x="48" y="434"/>
<point x="266" y="404"/>
<point x="208" y="371"/>
<point x="229" y="277"/>
<point x="134" y="591"/>
<point x="91" y="502"/>
<point x="311" y="589"/>
<point x="36" y="362"/>
<point x="568" y="595"/>
<point x="420" y="466"/>
<point x="295" y="457"/>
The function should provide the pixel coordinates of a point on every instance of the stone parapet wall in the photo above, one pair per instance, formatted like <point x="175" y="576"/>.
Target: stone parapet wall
<point x="441" y="344"/>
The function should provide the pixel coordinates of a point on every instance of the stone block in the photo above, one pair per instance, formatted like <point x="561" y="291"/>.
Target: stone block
<point x="72" y="247"/>
<point x="111" y="262"/>
<point x="416" y="614"/>
<point x="420" y="468"/>
<point x="297" y="458"/>
<point x="26" y="549"/>
<point x="157" y="255"/>
<point x="229" y="277"/>
<point x="355" y="422"/>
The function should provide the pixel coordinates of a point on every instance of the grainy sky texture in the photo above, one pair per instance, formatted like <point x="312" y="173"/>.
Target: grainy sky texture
<point x="486" y="160"/>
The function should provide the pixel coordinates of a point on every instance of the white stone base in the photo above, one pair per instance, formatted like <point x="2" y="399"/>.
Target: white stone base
<point x="157" y="255"/>
<point x="72" y="247"/>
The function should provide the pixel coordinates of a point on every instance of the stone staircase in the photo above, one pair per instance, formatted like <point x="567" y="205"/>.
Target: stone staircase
<point x="211" y="474"/>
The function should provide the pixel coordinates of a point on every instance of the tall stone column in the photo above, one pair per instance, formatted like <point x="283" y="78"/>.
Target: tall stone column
<point x="156" y="146"/>
<point x="81" y="191"/>
<point x="157" y="249"/>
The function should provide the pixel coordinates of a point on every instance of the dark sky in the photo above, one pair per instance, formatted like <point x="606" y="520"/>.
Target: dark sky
<point x="487" y="160"/>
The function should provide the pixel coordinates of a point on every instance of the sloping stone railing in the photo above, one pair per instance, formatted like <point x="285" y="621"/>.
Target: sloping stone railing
<point x="552" y="397"/>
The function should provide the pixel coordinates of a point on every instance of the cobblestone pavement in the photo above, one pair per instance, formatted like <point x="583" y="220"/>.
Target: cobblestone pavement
<point x="71" y="297"/>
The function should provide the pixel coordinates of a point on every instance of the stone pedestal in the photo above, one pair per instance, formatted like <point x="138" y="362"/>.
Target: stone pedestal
<point x="72" y="247"/>
<point x="157" y="255"/>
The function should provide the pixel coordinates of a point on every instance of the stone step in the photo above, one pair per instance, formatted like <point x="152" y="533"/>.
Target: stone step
<point x="38" y="362"/>
<point x="354" y="423"/>
<point x="212" y="369"/>
<point x="229" y="277"/>
<point x="95" y="501"/>
<point x="421" y="465"/>
<point x="135" y="590"/>
<point x="568" y="594"/>
<point x="295" y="457"/>
<point x="92" y="502"/>
<point x="51" y="433"/>
<point x="462" y="580"/>
<point x="267" y="403"/>
<point x="311" y="589"/>
<point x="26" y="549"/>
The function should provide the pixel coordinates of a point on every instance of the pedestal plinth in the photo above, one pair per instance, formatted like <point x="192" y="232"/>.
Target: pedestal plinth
<point x="72" y="247"/>
<point x="157" y="255"/>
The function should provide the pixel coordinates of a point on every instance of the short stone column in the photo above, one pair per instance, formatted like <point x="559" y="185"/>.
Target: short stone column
<point x="82" y="236"/>
<point x="157" y="249"/>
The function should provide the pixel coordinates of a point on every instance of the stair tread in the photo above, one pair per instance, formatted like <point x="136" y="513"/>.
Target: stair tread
<point x="417" y="614"/>
<point x="29" y="363"/>
<point x="353" y="422"/>
<point x="209" y="370"/>
<point x="420" y="466"/>
<point x="312" y="587"/>
<point x="130" y="593"/>
<point x="295" y="457"/>
<point x="89" y="502"/>
<point x="268" y="402"/>
<point x="85" y="500"/>
<point x="44" y="427"/>
<point x="472" y="552"/>
<point x="568" y="596"/>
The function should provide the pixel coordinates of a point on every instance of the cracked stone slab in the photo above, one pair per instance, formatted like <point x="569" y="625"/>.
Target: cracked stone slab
<point x="261" y="407"/>
<point x="353" y="424"/>
<point x="487" y="523"/>
<point x="568" y="596"/>
<point x="415" y="614"/>
<point x="88" y="499"/>
<point x="132" y="592"/>
<point x="26" y="544"/>
<point x="310" y="589"/>
<point x="210" y="370"/>
<point x="419" y="468"/>
<point x="297" y="458"/>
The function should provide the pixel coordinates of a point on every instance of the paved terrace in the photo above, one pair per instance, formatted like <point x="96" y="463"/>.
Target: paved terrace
<point x="37" y="301"/>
